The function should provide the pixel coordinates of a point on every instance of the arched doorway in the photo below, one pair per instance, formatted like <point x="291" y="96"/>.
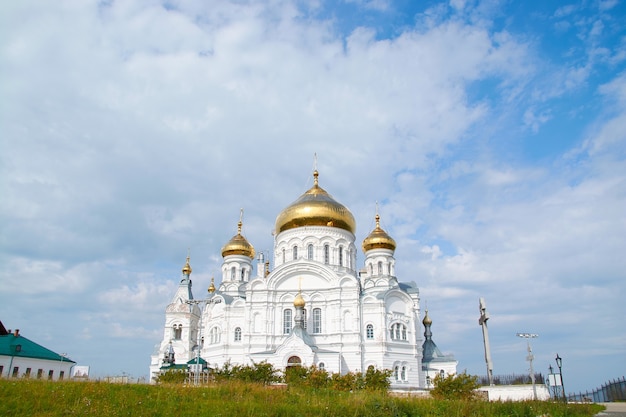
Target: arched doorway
<point x="294" y="361"/>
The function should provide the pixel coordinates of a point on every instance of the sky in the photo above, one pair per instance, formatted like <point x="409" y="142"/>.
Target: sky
<point x="491" y="133"/>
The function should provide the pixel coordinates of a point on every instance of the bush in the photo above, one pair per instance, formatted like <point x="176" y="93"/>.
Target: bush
<point x="173" y="376"/>
<point x="376" y="379"/>
<point x="455" y="387"/>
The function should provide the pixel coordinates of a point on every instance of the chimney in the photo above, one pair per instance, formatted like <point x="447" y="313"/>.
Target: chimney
<point x="17" y="332"/>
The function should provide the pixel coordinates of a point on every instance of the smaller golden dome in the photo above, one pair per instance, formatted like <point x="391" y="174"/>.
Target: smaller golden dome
<point x="238" y="245"/>
<point x="212" y="286"/>
<point x="299" y="301"/>
<point x="427" y="321"/>
<point x="378" y="239"/>
<point x="187" y="267"/>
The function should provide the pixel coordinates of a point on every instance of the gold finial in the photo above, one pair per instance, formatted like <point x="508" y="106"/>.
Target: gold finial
<point x="240" y="221"/>
<point x="212" y="286"/>
<point x="315" y="181"/>
<point x="299" y="301"/>
<point x="187" y="267"/>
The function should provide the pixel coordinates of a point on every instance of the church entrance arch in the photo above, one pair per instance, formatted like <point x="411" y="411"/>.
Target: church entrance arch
<point x="294" y="361"/>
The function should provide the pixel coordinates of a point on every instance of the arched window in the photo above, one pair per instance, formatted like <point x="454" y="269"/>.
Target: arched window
<point x="304" y="317"/>
<point x="317" y="320"/>
<point x="283" y="255"/>
<point x="237" y="334"/>
<point x="178" y="331"/>
<point x="309" y="250"/>
<point x="380" y="268"/>
<point x="243" y="274"/>
<point x="295" y="253"/>
<point x="442" y="374"/>
<point x="326" y="254"/>
<point x="214" y="335"/>
<point x="233" y="272"/>
<point x="369" y="331"/>
<point x="403" y="373"/>
<point x="398" y="331"/>
<point x="287" y="321"/>
<point x="371" y="270"/>
<point x="396" y="373"/>
<point x="321" y="365"/>
<point x="340" y="255"/>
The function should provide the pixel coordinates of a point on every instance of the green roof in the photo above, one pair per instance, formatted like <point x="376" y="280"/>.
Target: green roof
<point x="19" y="346"/>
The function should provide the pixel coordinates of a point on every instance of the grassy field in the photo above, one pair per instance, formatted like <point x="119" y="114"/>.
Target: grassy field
<point x="23" y="397"/>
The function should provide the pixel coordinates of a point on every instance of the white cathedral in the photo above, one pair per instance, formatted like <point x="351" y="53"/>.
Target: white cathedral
<point x="314" y="307"/>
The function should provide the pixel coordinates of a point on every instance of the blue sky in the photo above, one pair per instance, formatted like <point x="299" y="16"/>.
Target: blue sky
<point x="492" y="134"/>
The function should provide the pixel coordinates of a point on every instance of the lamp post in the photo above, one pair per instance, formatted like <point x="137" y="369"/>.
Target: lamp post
<point x="63" y="356"/>
<point x="208" y="300"/>
<point x="559" y="363"/>
<point x="530" y="358"/>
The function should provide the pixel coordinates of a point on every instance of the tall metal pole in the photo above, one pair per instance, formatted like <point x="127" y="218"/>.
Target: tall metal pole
<point x="530" y="358"/>
<point x="482" y="321"/>
<point x="559" y="363"/>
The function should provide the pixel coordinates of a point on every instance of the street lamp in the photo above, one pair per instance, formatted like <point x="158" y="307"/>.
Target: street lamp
<point x="530" y="358"/>
<point x="559" y="363"/>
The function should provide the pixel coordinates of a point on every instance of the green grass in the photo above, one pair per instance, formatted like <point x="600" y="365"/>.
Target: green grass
<point x="23" y="397"/>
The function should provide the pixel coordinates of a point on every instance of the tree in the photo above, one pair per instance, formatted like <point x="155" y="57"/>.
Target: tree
<point x="455" y="387"/>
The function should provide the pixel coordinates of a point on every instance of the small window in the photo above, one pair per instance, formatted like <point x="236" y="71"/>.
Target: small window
<point x="371" y="270"/>
<point x="243" y="274"/>
<point x="317" y="320"/>
<point x="16" y="370"/>
<point x="237" y="334"/>
<point x="442" y="374"/>
<point x="321" y="365"/>
<point x="304" y="317"/>
<point x="340" y="255"/>
<point x="39" y="373"/>
<point x="396" y="373"/>
<point x="309" y="250"/>
<point x="27" y="375"/>
<point x="287" y="321"/>
<point x="50" y="374"/>
<point x="283" y="255"/>
<point x="233" y="273"/>
<point x="380" y="268"/>
<point x="403" y="373"/>
<point x="369" y="331"/>
<point x="326" y="254"/>
<point x="295" y="253"/>
<point x="61" y="375"/>
<point x="178" y="331"/>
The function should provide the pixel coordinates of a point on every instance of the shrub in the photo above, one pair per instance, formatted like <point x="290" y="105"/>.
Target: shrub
<point x="173" y="376"/>
<point x="376" y="379"/>
<point x="455" y="387"/>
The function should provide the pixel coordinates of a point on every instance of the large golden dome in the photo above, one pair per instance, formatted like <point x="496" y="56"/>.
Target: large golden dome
<point x="238" y="245"/>
<point x="315" y="208"/>
<point x="378" y="239"/>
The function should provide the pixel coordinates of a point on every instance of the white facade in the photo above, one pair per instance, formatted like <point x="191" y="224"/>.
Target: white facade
<point x="314" y="307"/>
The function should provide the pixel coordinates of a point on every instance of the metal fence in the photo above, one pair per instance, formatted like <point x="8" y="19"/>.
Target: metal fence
<point x="511" y="379"/>
<point x="611" y="391"/>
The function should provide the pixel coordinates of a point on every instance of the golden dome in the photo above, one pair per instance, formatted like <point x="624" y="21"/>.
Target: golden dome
<point x="427" y="321"/>
<point x="212" y="286"/>
<point x="378" y="239"/>
<point x="299" y="301"/>
<point x="315" y="208"/>
<point x="238" y="245"/>
<point x="187" y="268"/>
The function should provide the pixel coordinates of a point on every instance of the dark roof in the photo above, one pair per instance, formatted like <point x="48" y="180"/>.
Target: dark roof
<point x="19" y="346"/>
